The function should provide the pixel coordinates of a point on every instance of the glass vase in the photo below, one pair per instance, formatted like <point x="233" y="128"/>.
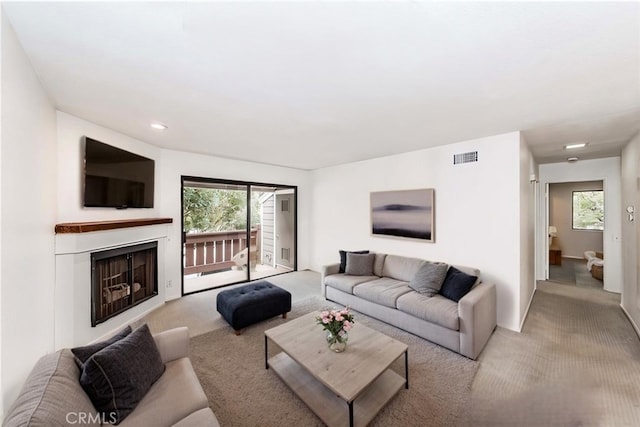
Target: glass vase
<point x="337" y="343"/>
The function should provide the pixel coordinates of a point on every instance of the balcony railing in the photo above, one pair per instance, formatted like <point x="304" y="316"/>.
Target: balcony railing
<point x="215" y="251"/>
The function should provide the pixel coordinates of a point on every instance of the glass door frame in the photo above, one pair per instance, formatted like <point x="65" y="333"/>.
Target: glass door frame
<point x="249" y="188"/>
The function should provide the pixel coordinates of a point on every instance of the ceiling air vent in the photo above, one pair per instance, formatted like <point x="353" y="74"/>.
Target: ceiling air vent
<point x="470" y="157"/>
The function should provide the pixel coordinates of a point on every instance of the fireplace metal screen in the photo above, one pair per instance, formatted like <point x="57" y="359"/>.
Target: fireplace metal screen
<point x="122" y="278"/>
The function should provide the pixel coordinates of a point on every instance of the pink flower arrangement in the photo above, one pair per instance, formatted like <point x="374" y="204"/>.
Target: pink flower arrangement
<point x="338" y="322"/>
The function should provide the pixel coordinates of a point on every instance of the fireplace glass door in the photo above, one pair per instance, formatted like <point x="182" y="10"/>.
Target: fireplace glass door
<point x="122" y="278"/>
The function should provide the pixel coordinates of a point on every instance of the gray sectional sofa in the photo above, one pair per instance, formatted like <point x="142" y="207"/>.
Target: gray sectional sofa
<point x="464" y="326"/>
<point x="53" y="396"/>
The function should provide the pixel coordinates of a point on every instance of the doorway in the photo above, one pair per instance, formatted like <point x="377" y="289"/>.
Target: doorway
<point x="235" y="232"/>
<point x="576" y="229"/>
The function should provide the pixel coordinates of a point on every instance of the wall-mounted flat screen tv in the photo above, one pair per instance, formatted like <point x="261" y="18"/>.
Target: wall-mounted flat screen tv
<point x="115" y="178"/>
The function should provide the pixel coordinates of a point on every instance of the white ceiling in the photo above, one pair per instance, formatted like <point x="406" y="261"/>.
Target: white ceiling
<point x="314" y="84"/>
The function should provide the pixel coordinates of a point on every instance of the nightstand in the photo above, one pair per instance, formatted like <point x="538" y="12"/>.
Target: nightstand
<point x="555" y="256"/>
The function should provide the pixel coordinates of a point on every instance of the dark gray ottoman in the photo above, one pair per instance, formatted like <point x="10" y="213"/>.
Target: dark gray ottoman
<point x="252" y="303"/>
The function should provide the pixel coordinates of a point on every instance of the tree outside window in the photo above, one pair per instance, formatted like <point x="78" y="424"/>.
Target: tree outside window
<point x="588" y="210"/>
<point x="212" y="209"/>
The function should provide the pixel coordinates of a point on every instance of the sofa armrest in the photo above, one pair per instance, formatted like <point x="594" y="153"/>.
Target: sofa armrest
<point x="477" y="312"/>
<point x="330" y="269"/>
<point x="173" y="344"/>
<point x="327" y="270"/>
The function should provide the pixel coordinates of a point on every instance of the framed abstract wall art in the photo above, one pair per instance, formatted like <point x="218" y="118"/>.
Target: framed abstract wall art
<point x="404" y="213"/>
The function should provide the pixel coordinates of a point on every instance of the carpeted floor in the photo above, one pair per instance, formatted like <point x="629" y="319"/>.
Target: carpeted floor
<point x="243" y="393"/>
<point x="575" y="363"/>
<point x="574" y="272"/>
<point x="198" y="311"/>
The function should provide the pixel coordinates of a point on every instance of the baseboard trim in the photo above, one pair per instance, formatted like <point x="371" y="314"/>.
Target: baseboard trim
<point x="526" y="312"/>
<point x="635" y="327"/>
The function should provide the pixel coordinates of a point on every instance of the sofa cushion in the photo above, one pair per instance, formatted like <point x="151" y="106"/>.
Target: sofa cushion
<point x="175" y="395"/>
<point x="117" y="377"/>
<point x="52" y="396"/>
<point x="360" y="265"/>
<point x="343" y="259"/>
<point x="378" y="264"/>
<point x="383" y="291"/>
<point x="429" y="278"/>
<point x="457" y="284"/>
<point x="202" y="417"/>
<point x="436" y="309"/>
<point x="83" y="353"/>
<point x="400" y="267"/>
<point x="346" y="283"/>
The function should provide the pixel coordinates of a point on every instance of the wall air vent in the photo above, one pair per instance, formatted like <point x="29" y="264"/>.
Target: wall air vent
<point x="470" y="157"/>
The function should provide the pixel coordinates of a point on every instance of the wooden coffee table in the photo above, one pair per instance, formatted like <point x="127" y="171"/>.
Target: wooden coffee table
<point x="324" y="380"/>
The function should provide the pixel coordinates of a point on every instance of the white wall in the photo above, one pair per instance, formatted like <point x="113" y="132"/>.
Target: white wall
<point x="72" y="303"/>
<point x="631" y="231"/>
<point x="528" y="168"/>
<point x="2" y="24"/>
<point x="477" y="209"/>
<point x="170" y="166"/>
<point x="28" y="195"/>
<point x="176" y="164"/>
<point x="607" y="170"/>
<point x="573" y="243"/>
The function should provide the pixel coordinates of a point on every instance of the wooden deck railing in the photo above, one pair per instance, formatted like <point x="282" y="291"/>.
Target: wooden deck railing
<point x="210" y="252"/>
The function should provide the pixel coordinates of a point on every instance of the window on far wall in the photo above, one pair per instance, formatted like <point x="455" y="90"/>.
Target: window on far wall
<point x="588" y="210"/>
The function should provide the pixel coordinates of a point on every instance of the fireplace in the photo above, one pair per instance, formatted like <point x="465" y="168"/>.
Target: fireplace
<point x="121" y="278"/>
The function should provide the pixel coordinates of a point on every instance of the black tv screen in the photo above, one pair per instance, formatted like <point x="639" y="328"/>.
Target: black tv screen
<point x="115" y="178"/>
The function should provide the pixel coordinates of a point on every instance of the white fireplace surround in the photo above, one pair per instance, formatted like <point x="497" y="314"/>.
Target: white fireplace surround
<point x="72" y="321"/>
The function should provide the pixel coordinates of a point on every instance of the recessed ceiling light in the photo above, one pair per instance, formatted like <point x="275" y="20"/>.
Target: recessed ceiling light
<point x="159" y="126"/>
<point x="572" y="159"/>
<point x="571" y="146"/>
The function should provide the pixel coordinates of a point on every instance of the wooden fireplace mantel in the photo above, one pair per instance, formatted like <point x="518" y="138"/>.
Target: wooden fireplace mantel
<point x="86" y="227"/>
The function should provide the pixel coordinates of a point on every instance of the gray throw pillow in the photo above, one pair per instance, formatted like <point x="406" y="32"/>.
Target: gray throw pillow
<point x="117" y="377"/>
<point x="343" y="259"/>
<point x="360" y="265"/>
<point x="429" y="278"/>
<point x="83" y="353"/>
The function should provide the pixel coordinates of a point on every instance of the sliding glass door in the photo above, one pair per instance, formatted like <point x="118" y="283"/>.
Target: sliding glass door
<point x="275" y="248"/>
<point x="235" y="231"/>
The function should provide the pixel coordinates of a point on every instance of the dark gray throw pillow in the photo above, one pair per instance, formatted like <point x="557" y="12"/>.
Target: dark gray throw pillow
<point x="457" y="284"/>
<point x="429" y="278"/>
<point x="117" y="377"/>
<point x="360" y="265"/>
<point x="83" y="353"/>
<point x="343" y="259"/>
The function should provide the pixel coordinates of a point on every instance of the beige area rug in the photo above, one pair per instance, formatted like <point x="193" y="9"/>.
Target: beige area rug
<point x="243" y="393"/>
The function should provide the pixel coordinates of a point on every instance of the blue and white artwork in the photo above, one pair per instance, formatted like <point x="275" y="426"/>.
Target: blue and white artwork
<point x="405" y="213"/>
